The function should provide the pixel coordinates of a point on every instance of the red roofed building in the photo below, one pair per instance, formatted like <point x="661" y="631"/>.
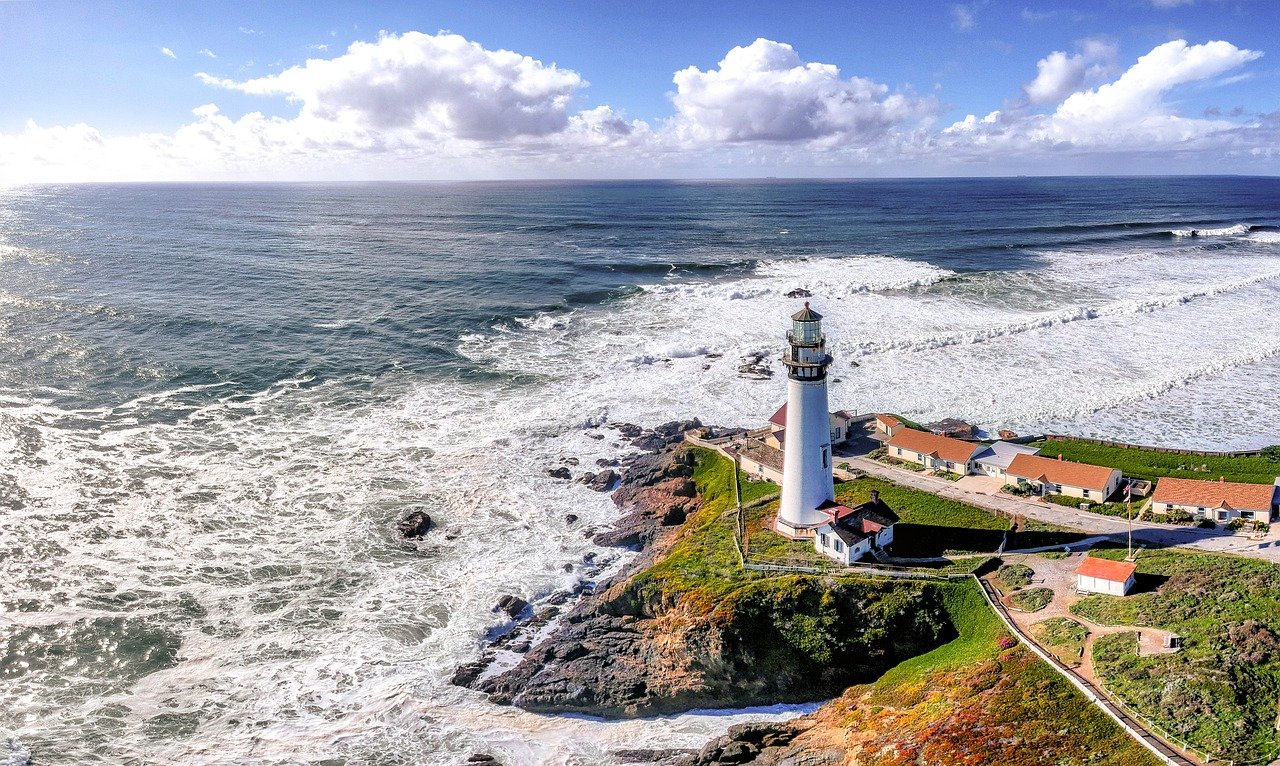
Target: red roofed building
<point x="1221" y="501"/>
<point x="1063" y="477"/>
<point x="933" y="451"/>
<point x="1113" y="578"/>
<point x="851" y="533"/>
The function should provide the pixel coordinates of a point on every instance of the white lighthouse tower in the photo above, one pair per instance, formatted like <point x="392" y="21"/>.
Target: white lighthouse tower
<point x="806" y="464"/>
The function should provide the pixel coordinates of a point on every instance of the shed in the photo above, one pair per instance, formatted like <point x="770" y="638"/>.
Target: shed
<point x="1113" y="578"/>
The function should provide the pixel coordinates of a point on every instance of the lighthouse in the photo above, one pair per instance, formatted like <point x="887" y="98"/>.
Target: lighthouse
<point x="806" y="463"/>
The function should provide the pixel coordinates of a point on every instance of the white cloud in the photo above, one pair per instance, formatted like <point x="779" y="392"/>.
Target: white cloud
<point x="764" y="92"/>
<point x="439" y="106"/>
<point x="1058" y="75"/>
<point x="249" y="31"/>
<point x="1171" y="3"/>
<point x="963" y="17"/>
<point x="208" y="53"/>
<point x="1127" y="114"/>
<point x="169" y="53"/>
<point x="437" y="84"/>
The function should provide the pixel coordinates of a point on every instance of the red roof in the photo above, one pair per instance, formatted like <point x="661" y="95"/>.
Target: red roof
<point x="1065" y="472"/>
<point x="1106" y="569"/>
<point x="780" y="417"/>
<point x="889" y="421"/>
<point x="1215" y="494"/>
<point x="925" y="443"/>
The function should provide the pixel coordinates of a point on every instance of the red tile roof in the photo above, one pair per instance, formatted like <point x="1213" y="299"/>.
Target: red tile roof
<point x="1215" y="494"/>
<point x="1046" y="469"/>
<point x="780" y="417"/>
<point x="1106" y="569"/>
<point x="955" y="450"/>
<point x="889" y="421"/>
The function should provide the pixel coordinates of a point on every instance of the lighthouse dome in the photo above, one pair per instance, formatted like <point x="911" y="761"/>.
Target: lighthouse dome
<point x="806" y="326"/>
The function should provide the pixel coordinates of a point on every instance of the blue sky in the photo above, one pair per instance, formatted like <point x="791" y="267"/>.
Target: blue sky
<point x="99" y="91"/>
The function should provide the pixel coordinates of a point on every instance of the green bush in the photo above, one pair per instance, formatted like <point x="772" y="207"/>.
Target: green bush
<point x="1032" y="599"/>
<point x="1014" y="576"/>
<point x="1016" y="489"/>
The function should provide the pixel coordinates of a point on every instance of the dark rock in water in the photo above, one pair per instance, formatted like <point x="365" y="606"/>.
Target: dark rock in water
<point x="512" y="605"/>
<point x="453" y="533"/>
<point x="604" y="462"/>
<point x="568" y="568"/>
<point x="1007" y="434"/>
<point x="570" y="518"/>
<point x="603" y="481"/>
<point x="754" y="365"/>
<point x="597" y="437"/>
<point x="483" y="759"/>
<point x="765" y="744"/>
<point x="853" y="363"/>
<point x="559" y="473"/>
<point x="956" y="429"/>
<point x="650" y="756"/>
<point x="799" y="292"/>
<point x="414" y="525"/>
<point x="467" y="674"/>
<point x="628" y="430"/>
<point x="570" y="461"/>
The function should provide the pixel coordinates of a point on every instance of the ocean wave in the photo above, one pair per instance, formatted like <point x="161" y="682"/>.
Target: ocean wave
<point x="1059" y="318"/>
<point x="1265" y="237"/>
<point x="1225" y="231"/>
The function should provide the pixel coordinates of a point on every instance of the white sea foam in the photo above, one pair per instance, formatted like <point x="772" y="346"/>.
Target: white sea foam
<point x="1265" y="237"/>
<point x="1225" y="231"/>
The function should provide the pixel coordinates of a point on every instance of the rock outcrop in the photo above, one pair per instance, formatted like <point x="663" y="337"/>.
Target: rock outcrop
<point x="414" y="525"/>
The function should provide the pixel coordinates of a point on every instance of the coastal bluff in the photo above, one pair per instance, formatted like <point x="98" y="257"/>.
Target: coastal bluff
<point x="656" y="639"/>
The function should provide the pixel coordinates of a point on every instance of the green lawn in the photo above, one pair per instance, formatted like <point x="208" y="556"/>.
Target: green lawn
<point x="1220" y="692"/>
<point x="1031" y="599"/>
<point x="1145" y="464"/>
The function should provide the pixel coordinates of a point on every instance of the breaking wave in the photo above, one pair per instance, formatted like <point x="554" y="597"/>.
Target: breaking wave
<point x="1226" y="231"/>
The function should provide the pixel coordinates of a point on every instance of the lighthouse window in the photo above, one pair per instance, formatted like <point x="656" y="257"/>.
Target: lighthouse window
<point x="826" y="459"/>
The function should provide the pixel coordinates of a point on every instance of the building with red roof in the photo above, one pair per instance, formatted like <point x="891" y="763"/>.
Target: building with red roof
<point x="1221" y="500"/>
<point x="1113" y="578"/>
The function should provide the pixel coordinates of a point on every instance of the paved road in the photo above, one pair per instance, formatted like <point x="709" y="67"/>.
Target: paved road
<point x="1147" y="532"/>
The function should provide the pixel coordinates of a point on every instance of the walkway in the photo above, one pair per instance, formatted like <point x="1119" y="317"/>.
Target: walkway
<point x="1155" y="744"/>
<point x="1150" y="533"/>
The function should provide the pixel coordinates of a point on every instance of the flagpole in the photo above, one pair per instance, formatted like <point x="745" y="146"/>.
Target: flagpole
<point x="1128" y="498"/>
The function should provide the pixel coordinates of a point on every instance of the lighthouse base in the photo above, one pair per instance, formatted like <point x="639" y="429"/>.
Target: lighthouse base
<point x="795" y="531"/>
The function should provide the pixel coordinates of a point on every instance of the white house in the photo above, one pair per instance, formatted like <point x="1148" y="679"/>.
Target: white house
<point x="888" y="424"/>
<point x="1113" y="578"/>
<point x="995" y="460"/>
<point x="1220" y="500"/>
<point x="933" y="451"/>
<point x="1062" y="477"/>
<point x="851" y="533"/>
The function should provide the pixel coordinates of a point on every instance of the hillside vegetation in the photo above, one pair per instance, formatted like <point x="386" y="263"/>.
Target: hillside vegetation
<point x="1220" y="692"/>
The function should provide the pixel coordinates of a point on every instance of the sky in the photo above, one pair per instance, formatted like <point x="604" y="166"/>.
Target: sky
<point x="294" y="91"/>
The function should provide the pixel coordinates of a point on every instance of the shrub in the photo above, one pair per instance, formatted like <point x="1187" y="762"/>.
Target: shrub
<point x="1235" y="525"/>
<point x="1014" y="576"/>
<point x="1032" y="600"/>
<point x="1207" y="524"/>
<point x="1178" y="517"/>
<point x="1015" y="489"/>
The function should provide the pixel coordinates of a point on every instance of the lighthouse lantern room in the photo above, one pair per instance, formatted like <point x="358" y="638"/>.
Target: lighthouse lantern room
<point x="807" y="486"/>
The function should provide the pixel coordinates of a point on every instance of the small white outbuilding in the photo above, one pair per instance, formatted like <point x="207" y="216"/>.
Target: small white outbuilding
<point x="1113" y="578"/>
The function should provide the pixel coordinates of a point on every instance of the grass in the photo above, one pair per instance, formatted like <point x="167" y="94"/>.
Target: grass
<point x="1220" y="691"/>
<point x="1146" y="464"/>
<point x="914" y="506"/>
<point x="1031" y="599"/>
<point x="1104" y="509"/>
<point x="1064" y="638"/>
<point x="978" y="635"/>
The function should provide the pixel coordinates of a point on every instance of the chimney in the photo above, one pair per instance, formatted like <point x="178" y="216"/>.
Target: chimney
<point x="875" y="496"/>
<point x="1222" y="480"/>
<point x="1059" y="455"/>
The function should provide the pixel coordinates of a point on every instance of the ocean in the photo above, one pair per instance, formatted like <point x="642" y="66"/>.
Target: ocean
<point x="216" y="400"/>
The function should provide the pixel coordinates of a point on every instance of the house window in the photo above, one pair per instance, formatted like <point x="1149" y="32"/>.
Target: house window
<point x="899" y="449"/>
<point x="1201" y="509"/>
<point x="1223" y="515"/>
<point x="1246" y="514"/>
<point x="1086" y="493"/>
<point x="826" y="458"/>
<point x="825" y="544"/>
<point x="839" y="546"/>
<point x="1168" y="507"/>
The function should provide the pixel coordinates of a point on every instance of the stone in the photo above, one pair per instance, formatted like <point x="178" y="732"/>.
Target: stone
<point x="570" y="461"/>
<point x="571" y="518"/>
<point x="559" y="473"/>
<point x="597" y="437"/>
<point x="452" y="533"/>
<point x="1005" y="433"/>
<point x="799" y="292"/>
<point x="603" y="481"/>
<point x="483" y="759"/>
<point x="416" y="524"/>
<point x="512" y="605"/>
<point x="604" y="462"/>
